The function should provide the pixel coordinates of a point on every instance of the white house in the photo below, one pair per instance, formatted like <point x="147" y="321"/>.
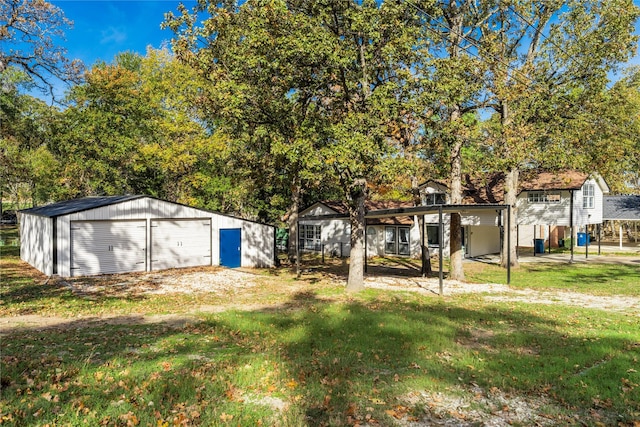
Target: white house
<point x="324" y="226"/>
<point x="120" y="234"/>
<point x="547" y="204"/>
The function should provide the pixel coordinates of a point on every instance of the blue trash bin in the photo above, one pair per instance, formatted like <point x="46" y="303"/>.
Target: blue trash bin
<point x="539" y="246"/>
<point x="582" y="239"/>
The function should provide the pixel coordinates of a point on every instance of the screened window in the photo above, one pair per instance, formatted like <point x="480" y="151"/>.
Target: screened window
<point x="435" y="199"/>
<point x="310" y="237"/>
<point x="543" y="197"/>
<point x="397" y="241"/>
<point x="588" y="196"/>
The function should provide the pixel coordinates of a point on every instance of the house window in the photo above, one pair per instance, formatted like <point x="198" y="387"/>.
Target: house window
<point x="543" y="197"/>
<point x="397" y="241"/>
<point x="310" y="237"/>
<point x="435" y="199"/>
<point x="433" y="234"/>
<point x="588" y="196"/>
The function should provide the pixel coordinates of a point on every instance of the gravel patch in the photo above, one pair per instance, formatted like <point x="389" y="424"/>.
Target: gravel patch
<point x="503" y="293"/>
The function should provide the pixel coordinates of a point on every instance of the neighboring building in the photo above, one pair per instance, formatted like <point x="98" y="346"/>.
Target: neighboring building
<point x="120" y="234"/>
<point x="548" y="204"/>
<point x="622" y="211"/>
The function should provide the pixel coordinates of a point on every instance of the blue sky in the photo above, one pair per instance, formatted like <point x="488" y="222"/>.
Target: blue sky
<point x="102" y="28"/>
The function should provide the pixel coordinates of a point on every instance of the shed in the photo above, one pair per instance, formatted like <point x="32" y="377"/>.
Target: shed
<point x="121" y="234"/>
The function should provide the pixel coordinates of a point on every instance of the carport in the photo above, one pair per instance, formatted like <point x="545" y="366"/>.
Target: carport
<point x="440" y="210"/>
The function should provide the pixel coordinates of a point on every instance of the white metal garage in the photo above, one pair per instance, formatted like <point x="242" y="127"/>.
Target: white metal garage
<point x="118" y="234"/>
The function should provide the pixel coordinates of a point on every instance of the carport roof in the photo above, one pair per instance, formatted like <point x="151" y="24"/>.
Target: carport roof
<point x="625" y="208"/>
<point x="77" y="205"/>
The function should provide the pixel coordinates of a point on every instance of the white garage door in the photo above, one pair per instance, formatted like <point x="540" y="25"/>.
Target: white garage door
<point x="107" y="247"/>
<point x="180" y="243"/>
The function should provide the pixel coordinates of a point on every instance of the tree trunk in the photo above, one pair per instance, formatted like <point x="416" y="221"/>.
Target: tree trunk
<point x="456" y="271"/>
<point x="510" y="197"/>
<point x="425" y="257"/>
<point x="296" y="193"/>
<point x="357" y="196"/>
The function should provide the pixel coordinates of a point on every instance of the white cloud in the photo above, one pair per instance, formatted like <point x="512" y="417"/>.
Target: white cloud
<point x="113" y="35"/>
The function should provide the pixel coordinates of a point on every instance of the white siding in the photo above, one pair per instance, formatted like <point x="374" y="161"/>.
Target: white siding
<point x="317" y="209"/>
<point x="481" y="218"/>
<point x="36" y="242"/>
<point x="336" y="234"/>
<point x="376" y="239"/>
<point x="482" y="240"/>
<point x="584" y="216"/>
<point x="258" y="241"/>
<point x="559" y="213"/>
<point x="544" y="213"/>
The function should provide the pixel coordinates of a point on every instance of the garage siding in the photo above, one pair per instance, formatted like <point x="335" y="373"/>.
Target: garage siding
<point x="36" y="242"/>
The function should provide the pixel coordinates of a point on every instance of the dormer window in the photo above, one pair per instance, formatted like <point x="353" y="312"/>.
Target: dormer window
<point x="588" y="196"/>
<point x="435" y="199"/>
<point x="543" y="197"/>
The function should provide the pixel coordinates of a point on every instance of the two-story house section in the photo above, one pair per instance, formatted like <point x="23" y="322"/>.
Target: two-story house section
<point x="550" y="203"/>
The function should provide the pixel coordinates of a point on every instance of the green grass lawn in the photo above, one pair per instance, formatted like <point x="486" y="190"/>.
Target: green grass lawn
<point x="305" y="353"/>
<point x="595" y="279"/>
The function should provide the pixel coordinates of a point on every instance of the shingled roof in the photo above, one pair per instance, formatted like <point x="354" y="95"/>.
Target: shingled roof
<point x="489" y="187"/>
<point x="623" y="208"/>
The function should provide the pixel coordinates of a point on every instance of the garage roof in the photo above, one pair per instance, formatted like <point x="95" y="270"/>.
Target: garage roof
<point x="77" y="205"/>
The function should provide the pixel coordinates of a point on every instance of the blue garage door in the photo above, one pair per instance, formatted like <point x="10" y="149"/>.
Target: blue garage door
<point x="230" y="239"/>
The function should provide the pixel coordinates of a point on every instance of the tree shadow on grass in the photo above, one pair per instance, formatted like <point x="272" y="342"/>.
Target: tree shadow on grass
<point x="313" y="361"/>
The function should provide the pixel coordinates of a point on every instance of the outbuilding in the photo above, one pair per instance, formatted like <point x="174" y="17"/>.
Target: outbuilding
<point x="121" y="234"/>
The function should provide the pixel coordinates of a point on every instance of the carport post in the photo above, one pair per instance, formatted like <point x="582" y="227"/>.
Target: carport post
<point x="535" y="236"/>
<point x="586" y="243"/>
<point x="366" y="256"/>
<point x="297" y="241"/>
<point x="440" y="237"/>
<point x="509" y="245"/>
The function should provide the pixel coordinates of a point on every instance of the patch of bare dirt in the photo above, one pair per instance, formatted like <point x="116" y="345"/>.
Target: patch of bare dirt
<point x="193" y="280"/>
<point x="475" y="406"/>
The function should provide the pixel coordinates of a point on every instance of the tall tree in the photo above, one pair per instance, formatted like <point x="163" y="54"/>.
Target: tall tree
<point x="28" y="33"/>
<point x="312" y="81"/>
<point x="546" y="60"/>
<point x="456" y="79"/>
<point x="27" y="169"/>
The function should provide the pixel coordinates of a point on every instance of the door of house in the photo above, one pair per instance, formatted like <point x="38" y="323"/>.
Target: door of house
<point x="230" y="247"/>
